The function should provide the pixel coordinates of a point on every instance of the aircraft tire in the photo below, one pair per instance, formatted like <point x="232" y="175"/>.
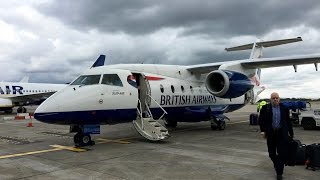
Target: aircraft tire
<point x="81" y="140"/>
<point x="170" y="124"/>
<point x="9" y="111"/>
<point x="77" y="140"/>
<point x="21" y="109"/>
<point x="222" y="125"/>
<point x="214" y="126"/>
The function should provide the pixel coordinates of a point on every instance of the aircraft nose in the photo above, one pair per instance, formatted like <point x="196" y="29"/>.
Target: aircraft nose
<point x="47" y="106"/>
<point x="46" y="110"/>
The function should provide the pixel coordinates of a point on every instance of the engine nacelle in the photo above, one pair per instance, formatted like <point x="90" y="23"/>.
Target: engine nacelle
<point x="6" y="103"/>
<point x="227" y="84"/>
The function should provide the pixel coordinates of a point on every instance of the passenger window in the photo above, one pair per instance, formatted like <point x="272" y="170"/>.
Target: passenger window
<point x="172" y="88"/>
<point x="182" y="89"/>
<point x="161" y="88"/>
<point x="191" y="89"/>
<point x="111" y="79"/>
<point x="87" y="80"/>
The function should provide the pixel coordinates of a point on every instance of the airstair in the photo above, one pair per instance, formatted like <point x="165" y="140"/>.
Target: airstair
<point x="147" y="126"/>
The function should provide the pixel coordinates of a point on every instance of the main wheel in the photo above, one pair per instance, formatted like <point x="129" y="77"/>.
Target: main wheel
<point x="9" y="111"/>
<point x="21" y="109"/>
<point x="214" y="126"/>
<point x="222" y="125"/>
<point x="170" y="124"/>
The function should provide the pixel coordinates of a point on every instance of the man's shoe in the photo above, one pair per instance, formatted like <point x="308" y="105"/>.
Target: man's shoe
<point x="279" y="177"/>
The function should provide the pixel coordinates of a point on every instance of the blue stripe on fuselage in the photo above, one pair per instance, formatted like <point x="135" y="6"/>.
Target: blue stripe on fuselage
<point x="115" y="116"/>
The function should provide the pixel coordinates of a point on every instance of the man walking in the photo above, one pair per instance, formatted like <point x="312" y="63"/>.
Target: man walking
<point x="275" y="126"/>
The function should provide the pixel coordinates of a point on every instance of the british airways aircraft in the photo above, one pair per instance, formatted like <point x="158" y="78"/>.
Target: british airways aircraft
<point x="146" y="93"/>
<point x="24" y="93"/>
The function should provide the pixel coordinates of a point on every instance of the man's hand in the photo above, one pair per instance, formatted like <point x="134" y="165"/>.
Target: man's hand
<point x="263" y="134"/>
<point x="291" y="136"/>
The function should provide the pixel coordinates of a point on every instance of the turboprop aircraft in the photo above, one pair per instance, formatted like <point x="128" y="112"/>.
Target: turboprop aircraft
<point x="24" y="93"/>
<point x="147" y="93"/>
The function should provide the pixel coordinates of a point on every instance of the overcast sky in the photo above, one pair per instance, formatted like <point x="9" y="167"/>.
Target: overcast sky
<point x="54" y="41"/>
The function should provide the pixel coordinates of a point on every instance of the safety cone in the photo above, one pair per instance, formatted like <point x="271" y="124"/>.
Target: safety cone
<point x="30" y="123"/>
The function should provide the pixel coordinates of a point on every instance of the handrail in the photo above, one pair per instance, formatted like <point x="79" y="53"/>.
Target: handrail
<point x="164" y="111"/>
<point x="158" y="104"/>
<point x="140" y="113"/>
<point x="149" y="111"/>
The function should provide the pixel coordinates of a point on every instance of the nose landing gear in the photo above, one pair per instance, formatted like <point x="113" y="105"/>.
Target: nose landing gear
<point x="82" y="136"/>
<point x="81" y="139"/>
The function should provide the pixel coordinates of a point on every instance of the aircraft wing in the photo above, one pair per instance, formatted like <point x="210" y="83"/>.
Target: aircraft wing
<point x="281" y="61"/>
<point x="205" y="68"/>
<point x="28" y="98"/>
<point x="259" y="63"/>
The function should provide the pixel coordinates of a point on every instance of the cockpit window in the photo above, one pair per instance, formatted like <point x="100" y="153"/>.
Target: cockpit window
<point x="87" y="80"/>
<point x="111" y="79"/>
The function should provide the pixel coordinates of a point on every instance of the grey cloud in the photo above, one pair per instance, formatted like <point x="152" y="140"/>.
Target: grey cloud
<point x="214" y="18"/>
<point x="72" y="34"/>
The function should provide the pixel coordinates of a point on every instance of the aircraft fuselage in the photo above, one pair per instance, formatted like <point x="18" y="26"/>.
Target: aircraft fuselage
<point x="183" y="95"/>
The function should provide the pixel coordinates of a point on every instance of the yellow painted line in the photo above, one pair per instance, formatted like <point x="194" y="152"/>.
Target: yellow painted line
<point x="120" y="141"/>
<point x="29" y="153"/>
<point x="70" y="148"/>
<point x="102" y="141"/>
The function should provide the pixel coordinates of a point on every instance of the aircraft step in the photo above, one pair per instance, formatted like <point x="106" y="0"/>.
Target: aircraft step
<point x="150" y="129"/>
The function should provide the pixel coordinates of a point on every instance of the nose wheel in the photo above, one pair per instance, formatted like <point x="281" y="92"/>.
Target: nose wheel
<point x="81" y="139"/>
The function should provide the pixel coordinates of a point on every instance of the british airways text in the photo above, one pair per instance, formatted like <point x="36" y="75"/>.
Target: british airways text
<point x="186" y="99"/>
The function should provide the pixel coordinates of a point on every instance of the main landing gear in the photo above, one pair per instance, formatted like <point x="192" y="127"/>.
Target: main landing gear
<point x="81" y="138"/>
<point x="218" y="122"/>
<point x="170" y="123"/>
<point x="21" y="109"/>
<point x="8" y="111"/>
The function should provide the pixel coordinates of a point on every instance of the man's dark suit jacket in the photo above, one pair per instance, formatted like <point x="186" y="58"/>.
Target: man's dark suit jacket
<point x="265" y="121"/>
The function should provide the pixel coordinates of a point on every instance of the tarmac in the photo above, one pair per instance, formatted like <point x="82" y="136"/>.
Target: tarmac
<point x="193" y="151"/>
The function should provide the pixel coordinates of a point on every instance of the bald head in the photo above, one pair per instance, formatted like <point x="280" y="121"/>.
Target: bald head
<point x="275" y="99"/>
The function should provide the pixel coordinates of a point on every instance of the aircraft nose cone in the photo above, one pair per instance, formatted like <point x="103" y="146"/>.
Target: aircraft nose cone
<point x="47" y="106"/>
<point x="46" y="110"/>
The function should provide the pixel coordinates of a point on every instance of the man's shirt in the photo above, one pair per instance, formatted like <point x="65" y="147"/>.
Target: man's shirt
<point x="276" y="117"/>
